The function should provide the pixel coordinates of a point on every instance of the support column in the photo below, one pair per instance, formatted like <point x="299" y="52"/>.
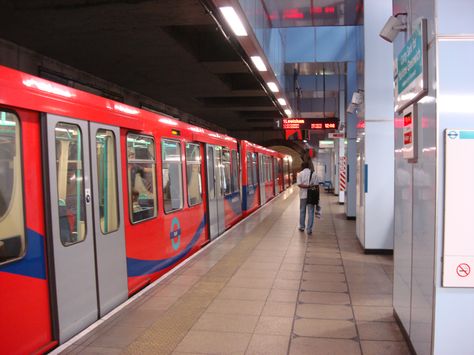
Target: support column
<point x="351" y="148"/>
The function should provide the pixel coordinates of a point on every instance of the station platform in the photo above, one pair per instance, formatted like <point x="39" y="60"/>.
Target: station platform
<point x="263" y="287"/>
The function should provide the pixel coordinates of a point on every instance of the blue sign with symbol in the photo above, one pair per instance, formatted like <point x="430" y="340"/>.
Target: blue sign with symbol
<point x="453" y="134"/>
<point x="175" y="233"/>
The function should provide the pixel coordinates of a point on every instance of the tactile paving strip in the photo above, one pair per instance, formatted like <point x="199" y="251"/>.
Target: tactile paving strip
<point x="166" y="333"/>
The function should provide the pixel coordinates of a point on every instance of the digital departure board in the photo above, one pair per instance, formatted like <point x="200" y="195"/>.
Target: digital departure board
<point x="309" y="123"/>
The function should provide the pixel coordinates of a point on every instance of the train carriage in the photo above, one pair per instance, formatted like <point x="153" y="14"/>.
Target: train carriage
<point x="278" y="172"/>
<point x="99" y="198"/>
<point x="261" y="178"/>
<point x="287" y="172"/>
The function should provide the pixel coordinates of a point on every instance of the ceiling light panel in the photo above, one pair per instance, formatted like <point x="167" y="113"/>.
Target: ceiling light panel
<point x="282" y="101"/>
<point x="272" y="86"/>
<point x="233" y="20"/>
<point x="258" y="62"/>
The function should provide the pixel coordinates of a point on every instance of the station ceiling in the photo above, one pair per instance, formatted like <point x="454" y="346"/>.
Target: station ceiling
<point x="169" y="50"/>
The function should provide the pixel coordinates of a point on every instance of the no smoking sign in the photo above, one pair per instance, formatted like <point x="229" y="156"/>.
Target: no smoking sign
<point x="463" y="270"/>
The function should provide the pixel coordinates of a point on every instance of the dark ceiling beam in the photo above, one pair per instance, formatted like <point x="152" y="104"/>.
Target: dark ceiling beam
<point x="236" y="101"/>
<point x="225" y="67"/>
<point x="265" y="120"/>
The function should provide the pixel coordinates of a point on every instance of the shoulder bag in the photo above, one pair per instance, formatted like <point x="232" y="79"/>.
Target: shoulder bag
<point x="313" y="193"/>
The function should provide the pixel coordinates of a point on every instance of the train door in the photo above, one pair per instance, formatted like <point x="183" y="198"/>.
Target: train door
<point x="215" y="190"/>
<point x="261" y="177"/>
<point x="276" y="175"/>
<point x="87" y="247"/>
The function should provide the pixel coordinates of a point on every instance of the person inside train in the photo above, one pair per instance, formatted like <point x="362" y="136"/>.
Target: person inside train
<point x="305" y="180"/>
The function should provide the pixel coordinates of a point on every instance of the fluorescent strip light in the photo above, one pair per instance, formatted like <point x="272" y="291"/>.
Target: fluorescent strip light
<point x="282" y="101"/>
<point x="233" y="20"/>
<point x="273" y="87"/>
<point x="258" y="62"/>
<point x="288" y="112"/>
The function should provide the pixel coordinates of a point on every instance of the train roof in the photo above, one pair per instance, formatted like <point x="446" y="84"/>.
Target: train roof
<point x="28" y="91"/>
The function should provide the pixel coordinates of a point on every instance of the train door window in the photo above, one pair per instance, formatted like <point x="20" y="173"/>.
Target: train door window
<point x="193" y="173"/>
<point x="210" y="173"/>
<point x="275" y="168"/>
<point x="70" y="173"/>
<point x="141" y="177"/>
<point x="172" y="175"/>
<point x="268" y="165"/>
<point x="220" y="170"/>
<point x="227" y="188"/>
<point x="249" y="170"/>
<point x="12" y="225"/>
<point x="254" y="168"/>
<point x="107" y="178"/>
<point x="235" y="172"/>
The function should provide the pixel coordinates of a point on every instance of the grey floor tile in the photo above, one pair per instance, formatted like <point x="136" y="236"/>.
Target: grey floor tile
<point x="379" y="331"/>
<point x="318" y="346"/>
<point x="244" y="273"/>
<point x="140" y="318"/>
<point x="323" y="328"/>
<point x="205" y="342"/>
<point x="322" y="277"/>
<point x="289" y="275"/>
<point x="240" y="293"/>
<point x="95" y="350"/>
<point x="279" y="309"/>
<point x="313" y="260"/>
<point x="373" y="314"/>
<point x="158" y="303"/>
<point x="278" y="295"/>
<point x="324" y="286"/>
<point x="274" y="325"/>
<point x="236" y="307"/>
<point x="324" y="311"/>
<point x="251" y="282"/>
<point x="324" y="297"/>
<point x="118" y="337"/>
<point x="323" y="268"/>
<point x="286" y="284"/>
<point x="268" y="344"/>
<point x="384" y="347"/>
<point x="236" y="323"/>
<point x="373" y="299"/>
<point x="291" y="266"/>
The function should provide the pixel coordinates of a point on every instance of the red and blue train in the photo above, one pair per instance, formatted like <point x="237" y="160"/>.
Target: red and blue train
<point x="98" y="199"/>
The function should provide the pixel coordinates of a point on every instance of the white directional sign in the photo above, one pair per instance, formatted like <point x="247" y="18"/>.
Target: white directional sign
<point x="458" y="250"/>
<point x="335" y="135"/>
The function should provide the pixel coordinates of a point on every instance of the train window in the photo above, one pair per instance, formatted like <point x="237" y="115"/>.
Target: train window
<point x="210" y="173"/>
<point x="275" y="168"/>
<point x="235" y="172"/>
<point x="254" y="168"/>
<point x="269" y="169"/>
<point x="193" y="173"/>
<point x="141" y="177"/>
<point x="249" y="169"/>
<point x="12" y="227"/>
<point x="70" y="183"/>
<point x="226" y="187"/>
<point x="172" y="175"/>
<point x="107" y="177"/>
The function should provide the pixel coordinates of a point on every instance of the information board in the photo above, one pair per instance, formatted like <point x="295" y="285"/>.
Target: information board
<point x="410" y="133"/>
<point x="309" y="123"/>
<point x="411" y="82"/>
<point x="458" y="250"/>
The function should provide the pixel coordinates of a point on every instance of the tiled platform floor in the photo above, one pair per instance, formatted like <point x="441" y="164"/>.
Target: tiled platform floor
<point x="266" y="288"/>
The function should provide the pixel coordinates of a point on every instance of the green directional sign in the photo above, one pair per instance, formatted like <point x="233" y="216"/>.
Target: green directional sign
<point x="411" y="82"/>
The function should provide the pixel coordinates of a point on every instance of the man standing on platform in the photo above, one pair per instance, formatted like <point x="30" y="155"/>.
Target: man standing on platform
<point x="305" y="179"/>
